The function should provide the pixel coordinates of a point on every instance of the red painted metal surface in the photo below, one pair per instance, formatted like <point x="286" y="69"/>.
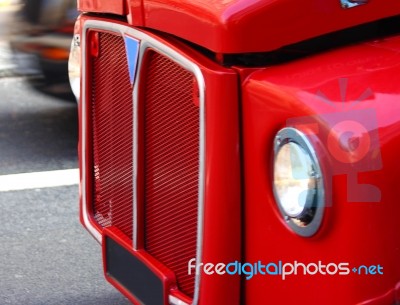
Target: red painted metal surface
<point x="111" y="122"/>
<point x="359" y="84"/>
<point x="222" y="233"/>
<point x="116" y="7"/>
<point x="242" y="26"/>
<point x="171" y="165"/>
<point x="254" y="26"/>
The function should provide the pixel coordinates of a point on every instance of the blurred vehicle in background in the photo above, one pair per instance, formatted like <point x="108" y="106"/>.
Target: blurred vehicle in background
<point x="41" y="39"/>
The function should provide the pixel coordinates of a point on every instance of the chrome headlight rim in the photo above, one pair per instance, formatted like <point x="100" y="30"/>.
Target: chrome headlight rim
<point x="74" y="66"/>
<point x="309" y="221"/>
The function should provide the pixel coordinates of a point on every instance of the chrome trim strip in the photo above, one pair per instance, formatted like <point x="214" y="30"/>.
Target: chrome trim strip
<point x="149" y="42"/>
<point x="135" y="151"/>
<point x="175" y="301"/>
<point x="96" y="234"/>
<point x="352" y="3"/>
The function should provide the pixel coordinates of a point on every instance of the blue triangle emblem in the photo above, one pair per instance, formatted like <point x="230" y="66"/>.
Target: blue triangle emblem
<point x="132" y="53"/>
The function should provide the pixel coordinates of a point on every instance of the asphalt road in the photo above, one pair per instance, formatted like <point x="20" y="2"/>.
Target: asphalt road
<point x="46" y="257"/>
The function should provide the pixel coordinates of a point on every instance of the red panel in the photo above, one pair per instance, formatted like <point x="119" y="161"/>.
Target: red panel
<point x="109" y="6"/>
<point x="241" y="26"/>
<point x="112" y="132"/>
<point x="171" y="166"/>
<point x="359" y="227"/>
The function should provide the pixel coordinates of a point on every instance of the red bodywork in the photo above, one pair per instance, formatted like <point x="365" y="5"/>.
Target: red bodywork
<point x="355" y="232"/>
<point x="242" y="26"/>
<point x="244" y="109"/>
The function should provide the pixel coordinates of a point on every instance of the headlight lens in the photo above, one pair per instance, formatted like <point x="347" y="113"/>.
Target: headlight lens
<point x="293" y="179"/>
<point x="74" y="66"/>
<point x="297" y="181"/>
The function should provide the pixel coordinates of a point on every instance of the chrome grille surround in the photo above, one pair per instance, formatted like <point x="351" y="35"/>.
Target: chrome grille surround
<point x="146" y="42"/>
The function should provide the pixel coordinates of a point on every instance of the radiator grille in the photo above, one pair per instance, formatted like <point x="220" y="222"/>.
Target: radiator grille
<point x="171" y="165"/>
<point x="111" y="109"/>
<point x="169" y="152"/>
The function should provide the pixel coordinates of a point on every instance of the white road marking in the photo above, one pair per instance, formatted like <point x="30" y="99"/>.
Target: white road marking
<point x="36" y="180"/>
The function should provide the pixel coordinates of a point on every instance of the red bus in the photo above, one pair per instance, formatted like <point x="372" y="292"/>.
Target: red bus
<point x="241" y="152"/>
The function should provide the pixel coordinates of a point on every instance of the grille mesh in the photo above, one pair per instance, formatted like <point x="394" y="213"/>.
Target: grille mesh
<point x="111" y="109"/>
<point x="171" y="165"/>
<point x="170" y="122"/>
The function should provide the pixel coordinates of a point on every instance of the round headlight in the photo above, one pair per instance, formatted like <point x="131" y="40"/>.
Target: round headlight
<point x="297" y="181"/>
